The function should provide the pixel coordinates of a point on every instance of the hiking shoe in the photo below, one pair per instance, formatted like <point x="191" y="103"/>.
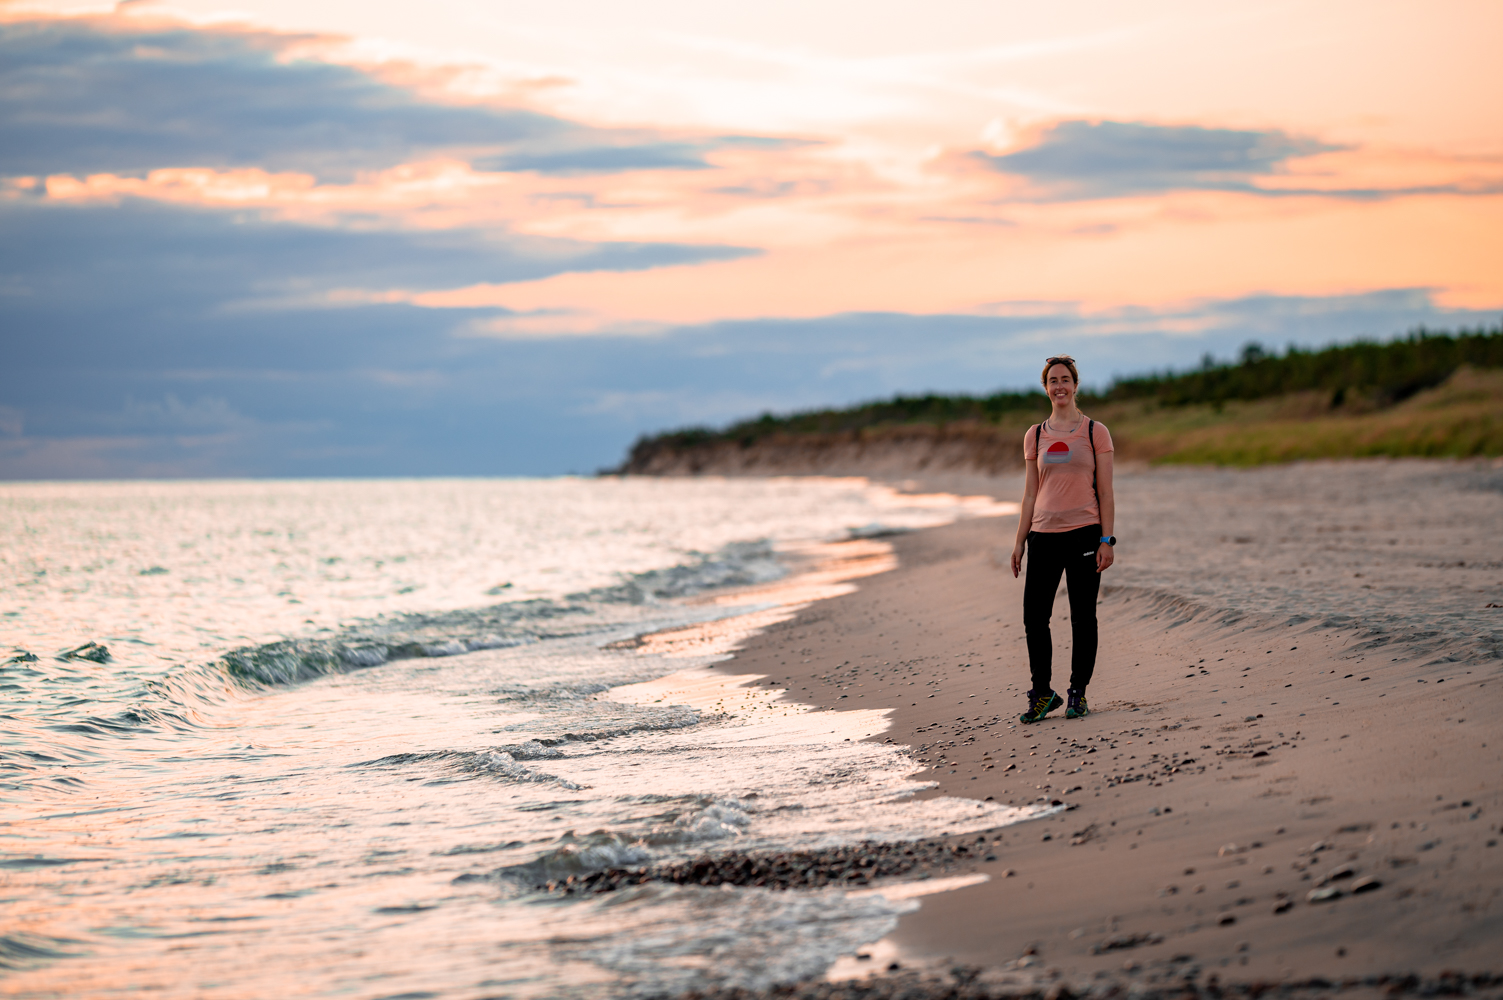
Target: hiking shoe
<point x="1077" y="708"/>
<point x="1040" y="705"/>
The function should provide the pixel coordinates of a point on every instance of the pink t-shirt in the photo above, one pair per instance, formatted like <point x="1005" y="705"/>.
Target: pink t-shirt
<point x="1067" y="470"/>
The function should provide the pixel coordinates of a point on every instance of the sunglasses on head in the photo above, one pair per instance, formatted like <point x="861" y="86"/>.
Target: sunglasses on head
<point x="1062" y="359"/>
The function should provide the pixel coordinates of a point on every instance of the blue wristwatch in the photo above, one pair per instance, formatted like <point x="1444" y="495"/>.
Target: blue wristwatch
<point x="1109" y="540"/>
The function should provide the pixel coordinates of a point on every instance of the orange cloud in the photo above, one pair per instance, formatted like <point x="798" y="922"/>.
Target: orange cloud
<point x="1155" y="254"/>
<point x="837" y="239"/>
<point x="881" y="209"/>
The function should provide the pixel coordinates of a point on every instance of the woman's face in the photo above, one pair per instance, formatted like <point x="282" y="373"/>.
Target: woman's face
<point x="1061" y="386"/>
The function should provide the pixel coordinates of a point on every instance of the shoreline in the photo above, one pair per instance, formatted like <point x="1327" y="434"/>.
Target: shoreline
<point x="1205" y="812"/>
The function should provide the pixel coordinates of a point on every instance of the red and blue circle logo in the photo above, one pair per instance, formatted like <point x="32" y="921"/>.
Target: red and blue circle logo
<point x="1057" y="453"/>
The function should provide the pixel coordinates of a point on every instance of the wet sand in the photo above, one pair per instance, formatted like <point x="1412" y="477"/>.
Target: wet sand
<point x="1298" y="689"/>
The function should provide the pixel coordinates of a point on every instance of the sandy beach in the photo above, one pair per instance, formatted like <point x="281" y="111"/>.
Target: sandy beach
<point x="1291" y="774"/>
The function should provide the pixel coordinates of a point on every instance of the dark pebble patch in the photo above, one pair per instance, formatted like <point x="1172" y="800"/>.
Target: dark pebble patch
<point x="857" y="864"/>
<point x="968" y="984"/>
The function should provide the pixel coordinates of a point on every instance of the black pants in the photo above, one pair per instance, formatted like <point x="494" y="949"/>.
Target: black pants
<point x="1074" y="554"/>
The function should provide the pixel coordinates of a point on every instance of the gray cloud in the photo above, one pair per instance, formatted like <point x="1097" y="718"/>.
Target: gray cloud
<point x="206" y="414"/>
<point x="144" y="339"/>
<point x="121" y="359"/>
<point x="1085" y="159"/>
<point x="139" y="257"/>
<point x="589" y="154"/>
<point x="97" y="95"/>
<point x="82" y="96"/>
<point x="604" y="159"/>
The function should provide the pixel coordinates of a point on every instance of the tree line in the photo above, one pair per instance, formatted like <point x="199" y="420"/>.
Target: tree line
<point x="1385" y="373"/>
<point x="1388" y="372"/>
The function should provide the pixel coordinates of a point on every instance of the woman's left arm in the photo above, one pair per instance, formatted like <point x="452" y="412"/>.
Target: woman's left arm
<point x="1104" y="552"/>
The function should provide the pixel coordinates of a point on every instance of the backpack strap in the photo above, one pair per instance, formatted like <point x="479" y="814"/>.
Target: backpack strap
<point x="1038" y="433"/>
<point x="1091" y="433"/>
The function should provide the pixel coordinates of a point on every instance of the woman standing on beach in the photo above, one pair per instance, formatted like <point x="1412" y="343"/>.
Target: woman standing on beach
<point x="1066" y="527"/>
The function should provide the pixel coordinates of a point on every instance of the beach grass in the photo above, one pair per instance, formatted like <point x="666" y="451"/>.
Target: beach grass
<point x="1460" y="418"/>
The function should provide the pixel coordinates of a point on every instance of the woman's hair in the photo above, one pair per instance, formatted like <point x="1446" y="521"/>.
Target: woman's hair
<point x="1063" y="359"/>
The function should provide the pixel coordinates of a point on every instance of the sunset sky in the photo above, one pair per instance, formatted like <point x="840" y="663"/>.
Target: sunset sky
<point x="268" y="237"/>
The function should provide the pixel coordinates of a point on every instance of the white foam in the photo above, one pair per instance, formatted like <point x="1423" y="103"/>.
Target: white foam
<point x="178" y="564"/>
<point x="922" y="887"/>
<point x="751" y="716"/>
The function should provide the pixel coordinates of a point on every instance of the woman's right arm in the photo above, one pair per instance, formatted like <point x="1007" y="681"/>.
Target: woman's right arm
<point x="1025" y="516"/>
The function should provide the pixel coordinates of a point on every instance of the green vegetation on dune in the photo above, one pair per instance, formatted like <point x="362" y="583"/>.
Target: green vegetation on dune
<point x="931" y="408"/>
<point x="1430" y="393"/>
<point x="1462" y="417"/>
<point x="1387" y="373"/>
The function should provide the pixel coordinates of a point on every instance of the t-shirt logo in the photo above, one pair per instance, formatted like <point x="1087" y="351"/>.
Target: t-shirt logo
<point x="1058" y="453"/>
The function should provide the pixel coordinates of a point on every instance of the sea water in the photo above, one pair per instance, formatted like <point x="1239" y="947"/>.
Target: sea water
<point x="308" y="739"/>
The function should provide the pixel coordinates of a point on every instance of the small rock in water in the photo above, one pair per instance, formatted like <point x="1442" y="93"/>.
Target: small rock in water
<point x="1366" y="884"/>
<point x="1324" y="895"/>
<point x="92" y="651"/>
